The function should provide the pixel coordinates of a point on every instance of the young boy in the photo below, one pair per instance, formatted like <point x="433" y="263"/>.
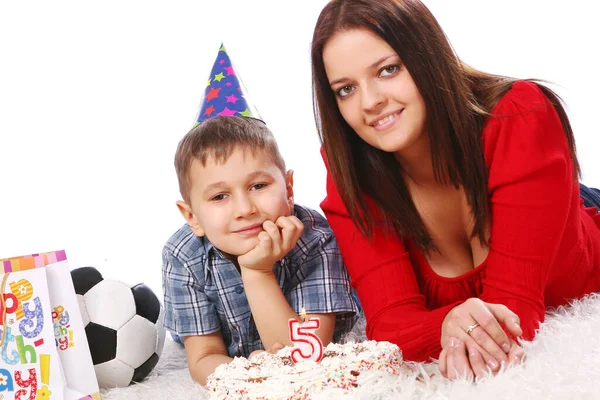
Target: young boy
<point x="248" y="258"/>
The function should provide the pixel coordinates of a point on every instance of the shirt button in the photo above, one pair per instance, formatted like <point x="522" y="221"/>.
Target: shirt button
<point x="239" y="289"/>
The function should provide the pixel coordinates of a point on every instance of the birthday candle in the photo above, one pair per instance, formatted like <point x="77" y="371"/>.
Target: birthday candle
<point x="307" y="345"/>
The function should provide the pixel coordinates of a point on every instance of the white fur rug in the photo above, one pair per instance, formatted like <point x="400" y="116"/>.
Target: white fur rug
<point x="563" y="362"/>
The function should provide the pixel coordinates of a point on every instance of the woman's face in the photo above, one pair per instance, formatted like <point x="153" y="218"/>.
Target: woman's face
<point x="375" y="93"/>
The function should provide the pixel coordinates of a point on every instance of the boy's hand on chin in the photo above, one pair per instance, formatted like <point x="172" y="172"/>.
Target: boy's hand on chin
<point x="276" y="241"/>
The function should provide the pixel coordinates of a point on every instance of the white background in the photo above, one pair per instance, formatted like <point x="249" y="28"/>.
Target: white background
<point x="94" y="98"/>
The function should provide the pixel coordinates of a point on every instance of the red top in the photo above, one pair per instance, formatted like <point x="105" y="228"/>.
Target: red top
<point x="544" y="245"/>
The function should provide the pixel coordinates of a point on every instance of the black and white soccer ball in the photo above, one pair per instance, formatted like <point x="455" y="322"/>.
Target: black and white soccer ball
<point x="123" y="325"/>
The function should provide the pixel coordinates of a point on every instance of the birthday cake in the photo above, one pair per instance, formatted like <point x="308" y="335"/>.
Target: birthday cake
<point x="344" y="371"/>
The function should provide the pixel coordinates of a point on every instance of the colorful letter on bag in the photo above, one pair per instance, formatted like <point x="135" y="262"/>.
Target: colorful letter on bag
<point x="30" y="365"/>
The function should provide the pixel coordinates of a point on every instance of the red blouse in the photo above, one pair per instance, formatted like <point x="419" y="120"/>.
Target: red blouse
<point x="544" y="245"/>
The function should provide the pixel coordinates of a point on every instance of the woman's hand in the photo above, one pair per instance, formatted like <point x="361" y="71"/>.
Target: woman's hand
<point x="516" y="354"/>
<point x="459" y="360"/>
<point x="476" y="325"/>
<point x="453" y="362"/>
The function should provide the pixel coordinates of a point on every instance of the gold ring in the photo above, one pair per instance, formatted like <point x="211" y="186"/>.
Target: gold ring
<point x="470" y="328"/>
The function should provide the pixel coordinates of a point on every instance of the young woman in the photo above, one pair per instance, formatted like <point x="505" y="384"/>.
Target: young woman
<point x="453" y="193"/>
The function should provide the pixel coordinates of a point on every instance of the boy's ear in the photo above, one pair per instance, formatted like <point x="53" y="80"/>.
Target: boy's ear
<point x="289" y="188"/>
<point x="188" y="215"/>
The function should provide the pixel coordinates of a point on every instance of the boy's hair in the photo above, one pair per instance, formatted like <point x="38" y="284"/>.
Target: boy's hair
<point x="218" y="137"/>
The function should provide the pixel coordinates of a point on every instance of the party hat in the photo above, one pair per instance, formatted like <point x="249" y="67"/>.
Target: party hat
<point x="225" y="93"/>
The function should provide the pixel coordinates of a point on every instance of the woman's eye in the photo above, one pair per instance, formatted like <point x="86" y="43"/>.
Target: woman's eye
<point x="218" y="197"/>
<point x="258" y="186"/>
<point x="345" y="91"/>
<point x="389" y="70"/>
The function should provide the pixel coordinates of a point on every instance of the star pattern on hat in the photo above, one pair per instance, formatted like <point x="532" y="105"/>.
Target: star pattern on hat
<point x="213" y="94"/>
<point x="231" y="99"/>
<point x="224" y="94"/>
<point x="227" y="112"/>
<point x="209" y="110"/>
<point x="245" y="113"/>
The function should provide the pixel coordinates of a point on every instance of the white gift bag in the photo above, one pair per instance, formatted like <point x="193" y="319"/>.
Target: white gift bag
<point x="73" y="376"/>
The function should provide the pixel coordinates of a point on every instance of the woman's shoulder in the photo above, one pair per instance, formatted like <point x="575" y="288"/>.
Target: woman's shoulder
<point x="523" y="133"/>
<point x="523" y="96"/>
<point x="523" y="107"/>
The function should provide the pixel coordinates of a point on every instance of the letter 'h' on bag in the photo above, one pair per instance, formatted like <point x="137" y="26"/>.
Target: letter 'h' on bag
<point x="44" y="353"/>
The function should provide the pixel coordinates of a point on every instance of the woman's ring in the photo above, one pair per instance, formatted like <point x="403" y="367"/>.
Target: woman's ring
<point x="470" y="328"/>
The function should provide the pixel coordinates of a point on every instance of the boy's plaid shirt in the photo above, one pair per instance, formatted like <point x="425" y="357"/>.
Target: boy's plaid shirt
<point x="203" y="291"/>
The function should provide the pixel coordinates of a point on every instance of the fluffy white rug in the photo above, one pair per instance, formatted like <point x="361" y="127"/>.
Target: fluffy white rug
<point x="563" y="362"/>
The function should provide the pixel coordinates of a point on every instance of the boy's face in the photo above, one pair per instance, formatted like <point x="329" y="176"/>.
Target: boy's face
<point x="230" y="201"/>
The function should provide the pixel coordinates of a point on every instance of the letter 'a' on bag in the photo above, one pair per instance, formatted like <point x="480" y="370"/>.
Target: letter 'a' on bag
<point x="43" y="347"/>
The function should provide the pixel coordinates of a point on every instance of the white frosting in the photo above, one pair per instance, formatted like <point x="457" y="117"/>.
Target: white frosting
<point x="343" y="371"/>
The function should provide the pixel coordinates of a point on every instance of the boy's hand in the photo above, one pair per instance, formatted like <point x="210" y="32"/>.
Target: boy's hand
<point x="275" y="242"/>
<point x="274" y="349"/>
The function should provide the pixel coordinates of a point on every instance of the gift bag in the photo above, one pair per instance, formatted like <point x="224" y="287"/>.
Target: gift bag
<point x="30" y="367"/>
<point x="74" y="376"/>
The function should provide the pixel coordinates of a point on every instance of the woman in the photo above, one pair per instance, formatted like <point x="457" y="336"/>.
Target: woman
<point x="453" y="193"/>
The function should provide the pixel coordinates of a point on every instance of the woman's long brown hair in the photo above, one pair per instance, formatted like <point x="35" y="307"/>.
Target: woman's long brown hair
<point x="458" y="100"/>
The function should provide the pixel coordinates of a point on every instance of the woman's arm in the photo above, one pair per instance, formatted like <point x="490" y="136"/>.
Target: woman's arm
<point x="532" y="190"/>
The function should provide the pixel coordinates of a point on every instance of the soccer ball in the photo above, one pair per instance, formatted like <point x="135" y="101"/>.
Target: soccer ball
<point x="123" y="325"/>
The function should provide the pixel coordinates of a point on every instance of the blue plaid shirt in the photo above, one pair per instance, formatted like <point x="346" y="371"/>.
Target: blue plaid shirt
<point x="204" y="293"/>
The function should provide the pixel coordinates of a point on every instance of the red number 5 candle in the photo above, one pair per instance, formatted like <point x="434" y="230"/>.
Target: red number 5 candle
<point x="307" y="345"/>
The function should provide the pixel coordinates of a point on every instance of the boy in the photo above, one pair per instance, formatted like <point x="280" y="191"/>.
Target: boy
<point x="248" y="258"/>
